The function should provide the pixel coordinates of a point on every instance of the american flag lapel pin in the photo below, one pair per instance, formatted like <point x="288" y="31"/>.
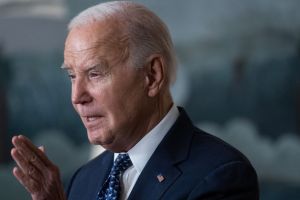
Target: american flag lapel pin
<point x="160" y="178"/>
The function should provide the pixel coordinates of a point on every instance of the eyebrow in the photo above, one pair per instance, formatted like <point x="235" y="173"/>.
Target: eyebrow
<point x="64" y="66"/>
<point x="92" y="67"/>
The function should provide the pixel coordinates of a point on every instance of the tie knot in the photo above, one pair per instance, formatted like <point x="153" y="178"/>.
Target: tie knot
<point x="121" y="163"/>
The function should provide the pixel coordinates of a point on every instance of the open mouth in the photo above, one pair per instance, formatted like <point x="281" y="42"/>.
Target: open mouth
<point x="90" y="119"/>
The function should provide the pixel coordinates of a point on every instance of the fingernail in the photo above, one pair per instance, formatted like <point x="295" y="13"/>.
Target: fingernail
<point x="15" y="169"/>
<point x="42" y="148"/>
<point x="14" y="140"/>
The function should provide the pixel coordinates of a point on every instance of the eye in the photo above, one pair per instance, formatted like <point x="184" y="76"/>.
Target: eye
<point x="94" y="74"/>
<point x="71" y="75"/>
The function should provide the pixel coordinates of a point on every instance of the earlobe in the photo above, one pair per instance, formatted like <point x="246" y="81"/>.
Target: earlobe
<point x="155" y="75"/>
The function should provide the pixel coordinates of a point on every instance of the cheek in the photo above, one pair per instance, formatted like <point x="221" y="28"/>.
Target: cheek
<point x="118" y="106"/>
<point x="101" y="94"/>
<point x="110" y="103"/>
<point x="121" y="100"/>
<point x="129" y="106"/>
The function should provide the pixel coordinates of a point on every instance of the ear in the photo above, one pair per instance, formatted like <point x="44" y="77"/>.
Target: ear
<point x="155" y="75"/>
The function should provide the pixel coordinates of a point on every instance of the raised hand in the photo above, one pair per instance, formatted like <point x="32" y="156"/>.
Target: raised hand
<point x="35" y="171"/>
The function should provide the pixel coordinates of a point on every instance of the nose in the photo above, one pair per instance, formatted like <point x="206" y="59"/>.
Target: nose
<point x="80" y="93"/>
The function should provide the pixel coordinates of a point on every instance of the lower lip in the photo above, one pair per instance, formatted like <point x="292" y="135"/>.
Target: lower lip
<point x="91" y="122"/>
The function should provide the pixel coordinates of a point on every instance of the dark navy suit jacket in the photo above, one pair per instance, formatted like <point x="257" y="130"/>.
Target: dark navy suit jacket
<point x="194" y="164"/>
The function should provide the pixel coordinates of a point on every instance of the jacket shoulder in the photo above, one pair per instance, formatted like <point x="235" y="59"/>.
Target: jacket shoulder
<point x="88" y="178"/>
<point x="213" y="150"/>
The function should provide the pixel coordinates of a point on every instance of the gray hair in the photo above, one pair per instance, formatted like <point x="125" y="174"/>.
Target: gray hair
<point x="146" y="32"/>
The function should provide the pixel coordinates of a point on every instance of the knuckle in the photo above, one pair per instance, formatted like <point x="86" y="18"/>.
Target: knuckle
<point x="31" y="171"/>
<point x="33" y="158"/>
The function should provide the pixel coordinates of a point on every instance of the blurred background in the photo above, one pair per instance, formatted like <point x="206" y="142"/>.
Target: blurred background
<point x="238" y="78"/>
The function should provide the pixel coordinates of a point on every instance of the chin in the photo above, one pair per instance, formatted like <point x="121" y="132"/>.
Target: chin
<point x="93" y="136"/>
<point x="98" y="138"/>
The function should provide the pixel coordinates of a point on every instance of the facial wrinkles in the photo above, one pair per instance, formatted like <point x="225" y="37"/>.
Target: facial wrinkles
<point x="100" y="40"/>
<point x="78" y="59"/>
<point x="92" y="88"/>
<point x="80" y="63"/>
<point x="135" y="118"/>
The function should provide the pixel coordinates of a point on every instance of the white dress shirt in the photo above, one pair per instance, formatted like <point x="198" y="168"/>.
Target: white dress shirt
<point x="142" y="151"/>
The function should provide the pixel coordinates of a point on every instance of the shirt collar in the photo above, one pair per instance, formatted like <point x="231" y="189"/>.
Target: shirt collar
<point x="142" y="151"/>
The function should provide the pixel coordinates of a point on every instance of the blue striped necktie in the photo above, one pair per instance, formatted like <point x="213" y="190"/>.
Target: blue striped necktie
<point x="112" y="187"/>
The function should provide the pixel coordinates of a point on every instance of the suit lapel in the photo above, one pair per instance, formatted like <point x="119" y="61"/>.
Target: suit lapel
<point x="106" y="164"/>
<point x="171" y="151"/>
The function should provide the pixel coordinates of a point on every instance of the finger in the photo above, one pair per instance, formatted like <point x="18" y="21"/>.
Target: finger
<point x="21" y="162"/>
<point x="26" y="168"/>
<point x="31" y="185"/>
<point x="39" y="151"/>
<point x="30" y="151"/>
<point x="28" y="155"/>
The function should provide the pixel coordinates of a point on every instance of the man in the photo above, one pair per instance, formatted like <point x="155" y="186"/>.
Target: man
<point x="120" y="59"/>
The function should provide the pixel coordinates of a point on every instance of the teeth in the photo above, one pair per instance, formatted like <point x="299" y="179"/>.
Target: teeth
<point x="89" y="119"/>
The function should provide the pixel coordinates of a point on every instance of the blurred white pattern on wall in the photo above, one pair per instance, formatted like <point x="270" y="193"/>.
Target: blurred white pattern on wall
<point x="274" y="161"/>
<point x="33" y="8"/>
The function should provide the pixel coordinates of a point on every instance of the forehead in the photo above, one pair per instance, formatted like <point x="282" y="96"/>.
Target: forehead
<point x="90" y="42"/>
<point x="86" y="37"/>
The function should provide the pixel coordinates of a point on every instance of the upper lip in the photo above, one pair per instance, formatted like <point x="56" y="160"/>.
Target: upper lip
<point x="89" y="116"/>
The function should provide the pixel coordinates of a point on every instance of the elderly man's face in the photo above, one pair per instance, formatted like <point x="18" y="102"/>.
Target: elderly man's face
<point x="109" y="96"/>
